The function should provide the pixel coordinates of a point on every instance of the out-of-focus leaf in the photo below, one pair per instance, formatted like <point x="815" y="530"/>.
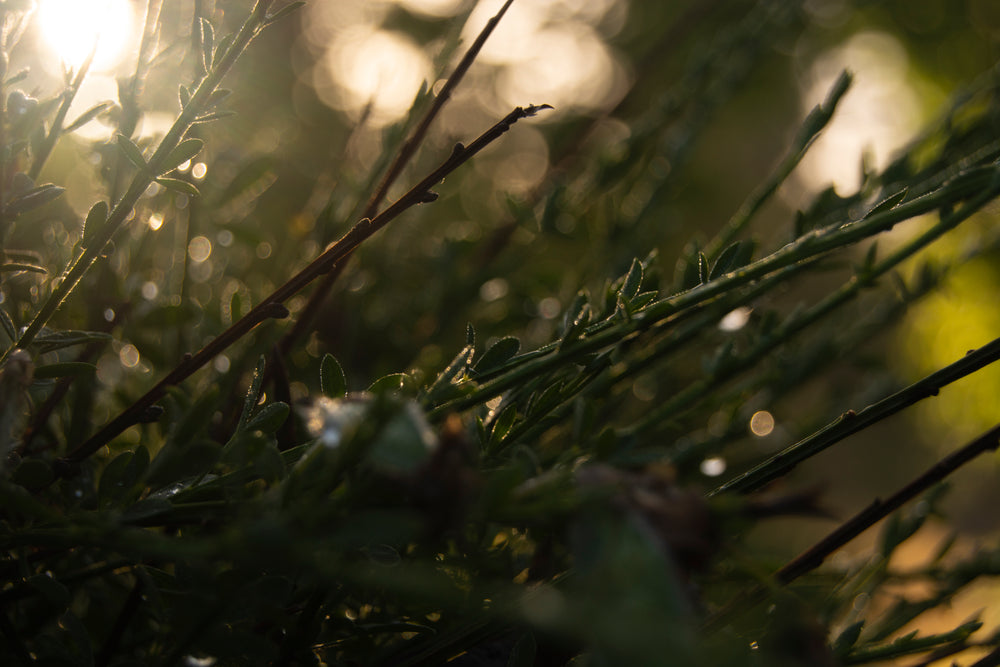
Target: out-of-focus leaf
<point x="632" y="281"/>
<point x="87" y="116"/>
<point x="207" y="42"/>
<point x="214" y="115"/>
<point x="332" y="381"/>
<point x="177" y="185"/>
<point x="131" y="151"/>
<point x="452" y="371"/>
<point x="846" y="640"/>
<point x="284" y="11"/>
<point x="497" y="355"/>
<point x="396" y="383"/>
<point x="49" y="341"/>
<point x="220" y="50"/>
<point x="888" y="203"/>
<point x="32" y="199"/>
<point x="183" y="152"/>
<point x="270" y="418"/>
<point x="11" y="267"/>
<point x="96" y="218"/>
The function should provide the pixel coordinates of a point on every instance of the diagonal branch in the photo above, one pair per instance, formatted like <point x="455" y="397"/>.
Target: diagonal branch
<point x="850" y="422"/>
<point x="271" y="307"/>
<point x="405" y="154"/>
<point x="813" y="557"/>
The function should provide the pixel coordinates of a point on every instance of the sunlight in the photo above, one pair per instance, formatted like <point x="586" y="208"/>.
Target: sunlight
<point x="70" y="27"/>
<point x="879" y="114"/>
<point x="378" y="67"/>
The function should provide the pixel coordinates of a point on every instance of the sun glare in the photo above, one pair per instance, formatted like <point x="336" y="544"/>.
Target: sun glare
<point x="70" y="28"/>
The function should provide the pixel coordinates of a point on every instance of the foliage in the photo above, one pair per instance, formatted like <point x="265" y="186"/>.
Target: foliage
<point x="189" y="480"/>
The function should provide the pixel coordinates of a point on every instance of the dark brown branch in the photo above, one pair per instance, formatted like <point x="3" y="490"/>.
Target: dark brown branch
<point x="860" y="522"/>
<point x="850" y="422"/>
<point x="405" y="154"/>
<point x="410" y="146"/>
<point x="271" y="307"/>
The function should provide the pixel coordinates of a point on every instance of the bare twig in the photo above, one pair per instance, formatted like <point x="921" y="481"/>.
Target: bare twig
<point x="406" y="152"/>
<point x="850" y="422"/>
<point x="813" y="557"/>
<point x="271" y="306"/>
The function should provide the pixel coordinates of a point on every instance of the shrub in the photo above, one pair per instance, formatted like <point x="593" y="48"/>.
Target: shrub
<point x="187" y="479"/>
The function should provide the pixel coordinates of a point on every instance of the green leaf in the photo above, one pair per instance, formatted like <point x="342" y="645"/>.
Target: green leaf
<point x="332" y="381"/>
<point x="497" y="355"/>
<point x="87" y="116"/>
<point x="452" y="371"/>
<point x="283" y="12"/>
<point x="744" y="255"/>
<point x="690" y="275"/>
<point x="887" y="204"/>
<point x="217" y="97"/>
<point x="397" y="383"/>
<point x="49" y="341"/>
<point x="184" y="95"/>
<point x="178" y="185"/>
<point x="632" y="281"/>
<point x="207" y="42"/>
<point x="11" y="267"/>
<point x="32" y="199"/>
<point x="503" y="423"/>
<point x="642" y="300"/>
<point x="221" y="49"/>
<point x="702" y="268"/>
<point x="846" y="640"/>
<point x="64" y="369"/>
<point x="183" y="152"/>
<point x="252" y="398"/>
<point x="96" y="218"/>
<point x="726" y="261"/>
<point x="270" y="418"/>
<point x="131" y="151"/>
<point x="120" y="479"/>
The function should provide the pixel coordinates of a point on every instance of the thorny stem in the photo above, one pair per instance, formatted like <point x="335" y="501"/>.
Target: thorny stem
<point x="271" y="306"/>
<point x="813" y="557"/>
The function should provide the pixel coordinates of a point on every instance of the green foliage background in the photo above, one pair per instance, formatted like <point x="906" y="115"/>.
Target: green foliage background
<point x="497" y="437"/>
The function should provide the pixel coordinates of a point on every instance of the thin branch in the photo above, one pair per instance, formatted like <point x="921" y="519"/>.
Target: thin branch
<point x="410" y="146"/>
<point x="405" y="154"/>
<point x="813" y="557"/>
<point x="57" y="123"/>
<point x="271" y="307"/>
<point x="851" y="422"/>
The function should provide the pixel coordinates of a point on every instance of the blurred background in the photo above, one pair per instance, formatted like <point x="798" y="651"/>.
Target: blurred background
<point x="666" y="117"/>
